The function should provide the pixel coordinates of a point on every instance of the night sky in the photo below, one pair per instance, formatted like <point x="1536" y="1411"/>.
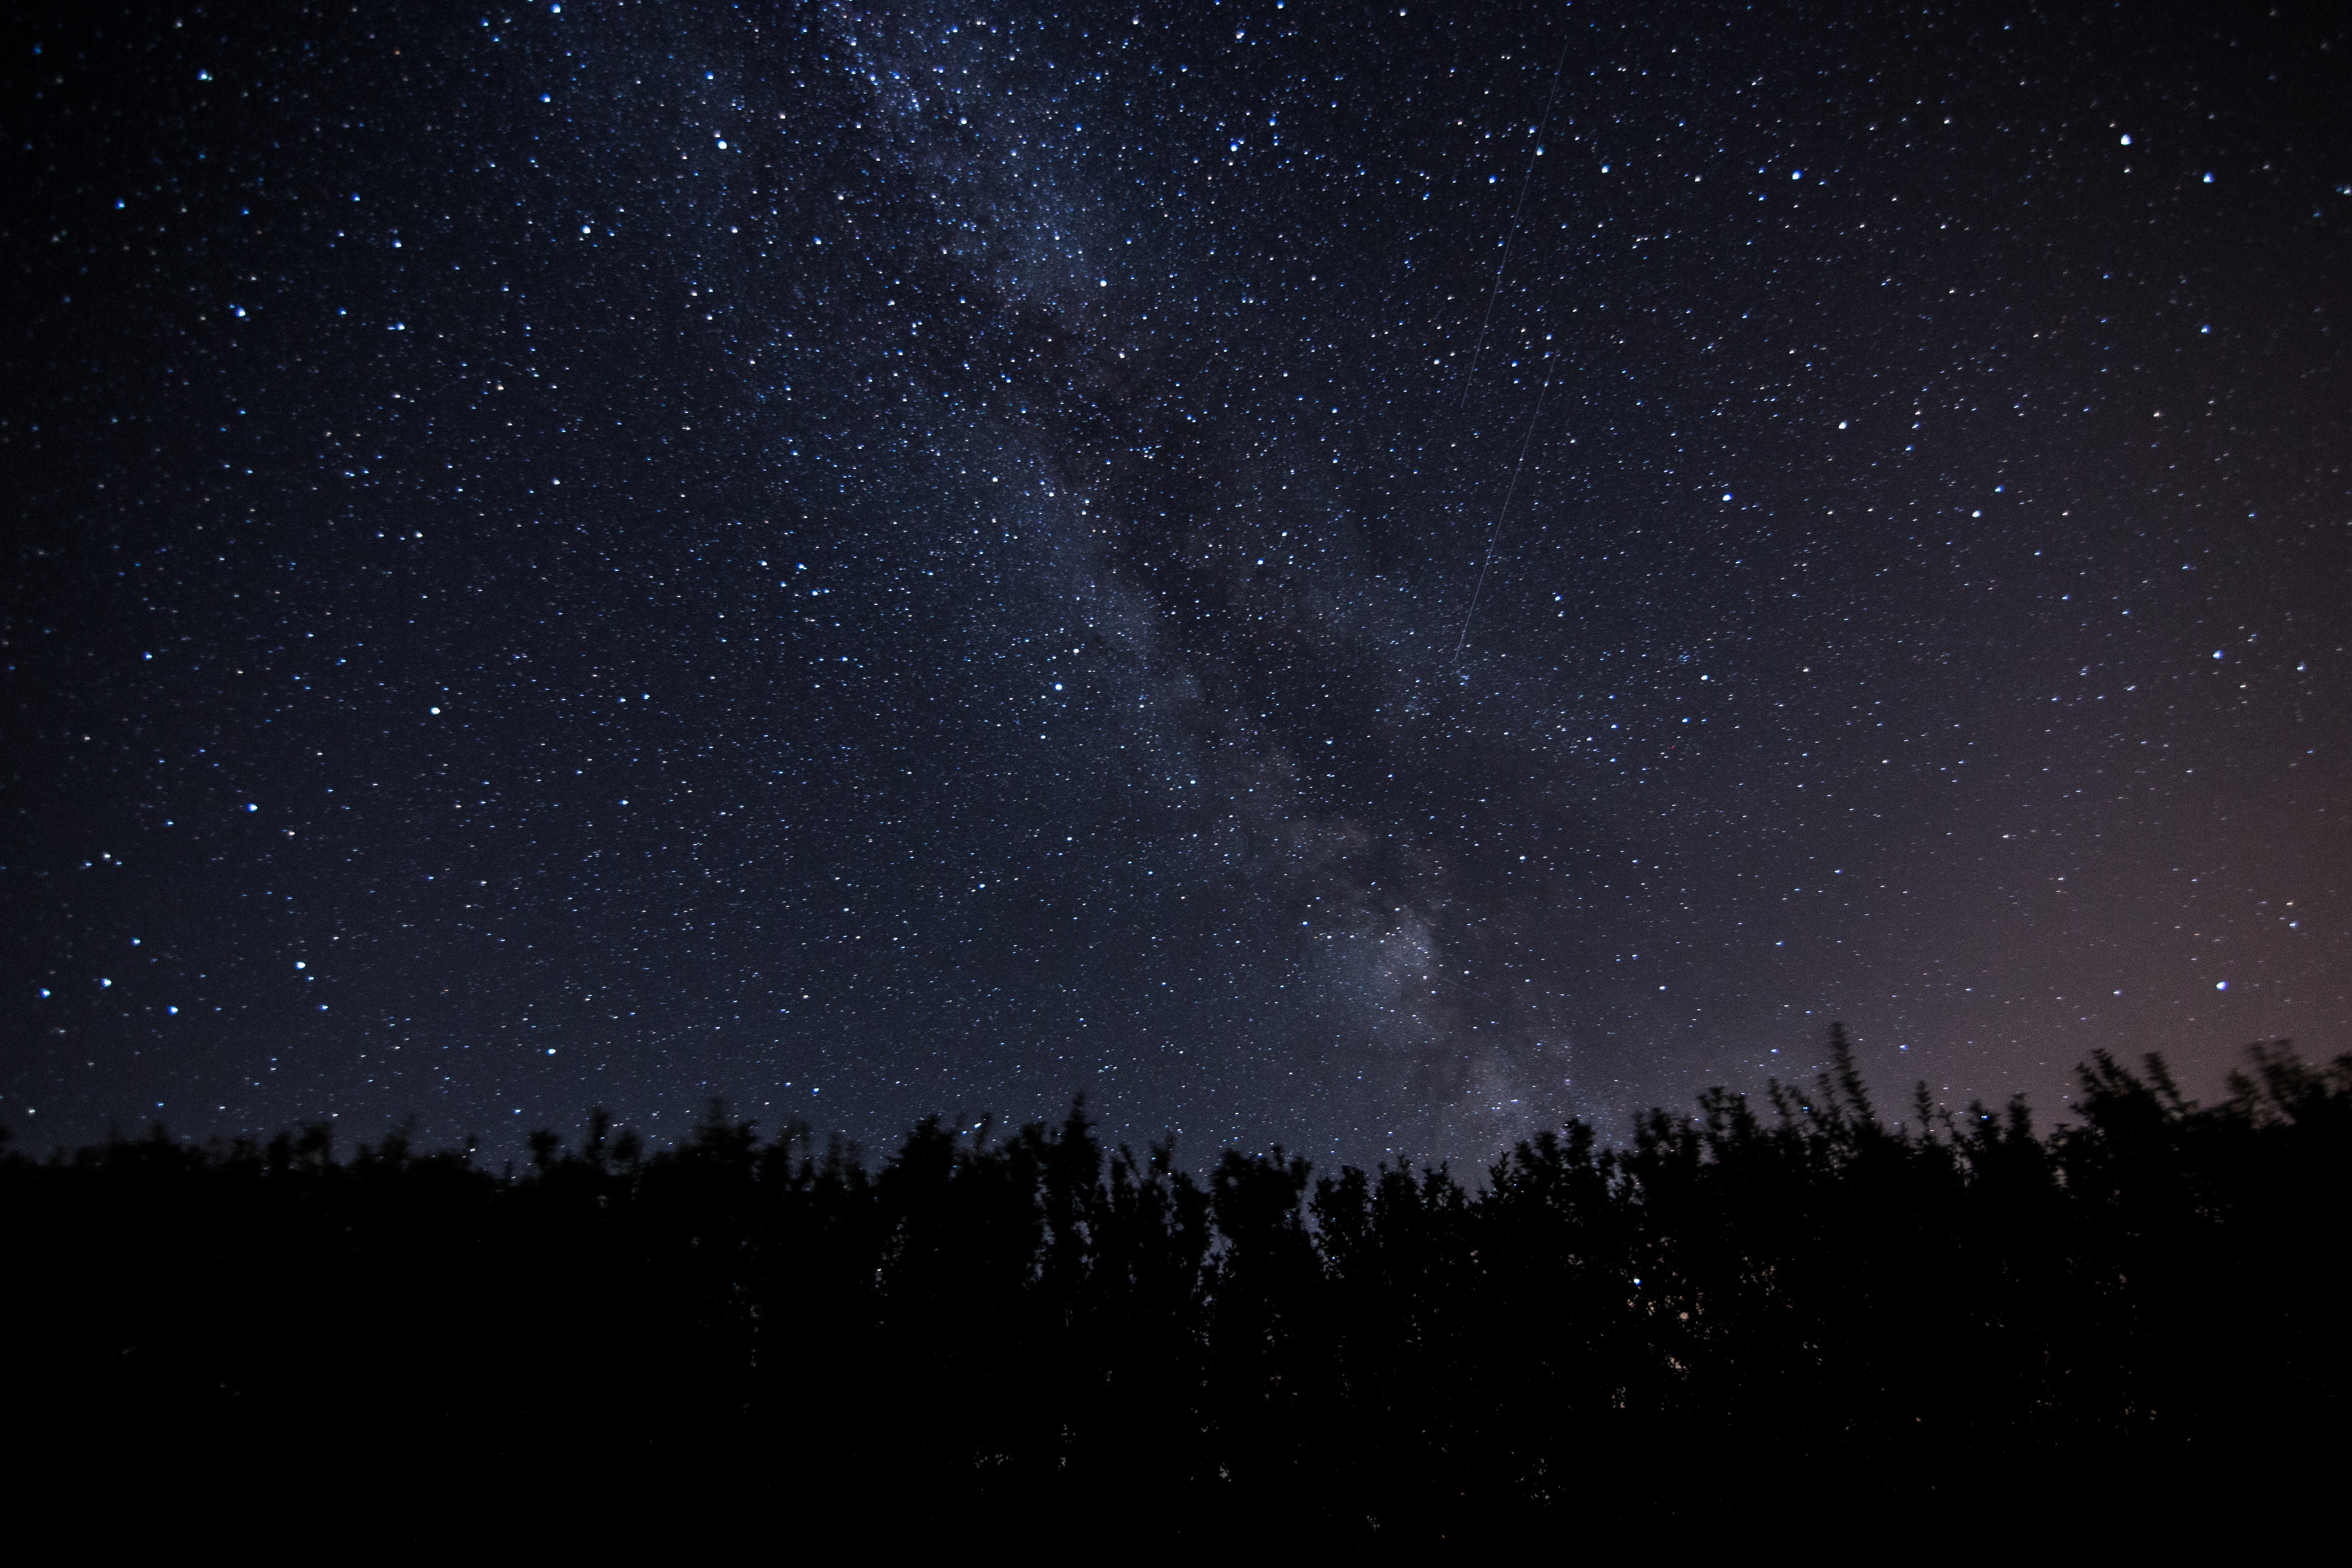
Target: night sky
<point x="1367" y="577"/>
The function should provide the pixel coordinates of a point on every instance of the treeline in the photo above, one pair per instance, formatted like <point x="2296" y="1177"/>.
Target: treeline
<point x="1797" y="1304"/>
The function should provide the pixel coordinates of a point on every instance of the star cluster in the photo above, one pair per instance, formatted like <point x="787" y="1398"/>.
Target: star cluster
<point x="1369" y="578"/>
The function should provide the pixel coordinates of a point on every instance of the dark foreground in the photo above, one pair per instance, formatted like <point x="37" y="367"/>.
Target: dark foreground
<point x="1796" y="1317"/>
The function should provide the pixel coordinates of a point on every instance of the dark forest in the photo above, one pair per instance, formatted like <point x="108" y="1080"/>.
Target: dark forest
<point x="1945" y="1322"/>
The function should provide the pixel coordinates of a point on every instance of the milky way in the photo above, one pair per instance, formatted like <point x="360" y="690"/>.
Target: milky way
<point x="1367" y="578"/>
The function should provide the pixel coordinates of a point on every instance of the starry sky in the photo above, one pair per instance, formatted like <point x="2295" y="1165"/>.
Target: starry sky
<point x="1367" y="577"/>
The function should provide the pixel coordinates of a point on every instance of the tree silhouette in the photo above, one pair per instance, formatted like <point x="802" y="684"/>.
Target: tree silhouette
<point x="1742" y="1304"/>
